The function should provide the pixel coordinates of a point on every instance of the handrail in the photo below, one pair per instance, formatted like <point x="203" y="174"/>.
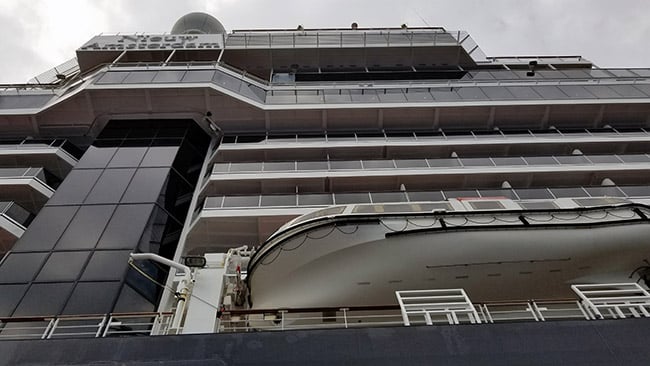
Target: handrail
<point x="57" y="326"/>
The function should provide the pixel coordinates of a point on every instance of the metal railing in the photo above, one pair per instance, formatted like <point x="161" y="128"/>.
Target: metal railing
<point x="85" y="326"/>
<point x="346" y="38"/>
<point x="450" y="304"/>
<point x="618" y="300"/>
<point x="524" y="196"/>
<point x="391" y="315"/>
<point x="428" y="307"/>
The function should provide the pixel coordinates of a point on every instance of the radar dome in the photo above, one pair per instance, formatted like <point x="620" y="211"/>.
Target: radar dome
<point x="198" y="23"/>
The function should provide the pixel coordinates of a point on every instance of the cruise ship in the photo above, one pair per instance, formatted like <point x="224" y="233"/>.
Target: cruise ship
<point x="323" y="196"/>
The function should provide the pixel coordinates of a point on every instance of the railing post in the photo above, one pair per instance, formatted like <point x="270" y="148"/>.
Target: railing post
<point x="46" y="332"/>
<point x="101" y="326"/>
<point x="427" y="318"/>
<point x="282" y="312"/>
<point x="539" y="311"/>
<point x="345" y="316"/>
<point x="108" y="326"/>
<point x="52" y="328"/>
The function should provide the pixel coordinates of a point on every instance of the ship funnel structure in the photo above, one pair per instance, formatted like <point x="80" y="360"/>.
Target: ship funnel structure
<point x="198" y="23"/>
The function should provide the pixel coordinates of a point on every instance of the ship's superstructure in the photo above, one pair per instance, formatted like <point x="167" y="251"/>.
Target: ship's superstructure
<point x="318" y="171"/>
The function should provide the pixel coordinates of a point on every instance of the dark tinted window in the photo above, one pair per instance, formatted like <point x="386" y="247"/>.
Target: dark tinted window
<point x="86" y="227"/>
<point x="92" y="298"/>
<point x="159" y="156"/>
<point x="106" y="265"/>
<point x="147" y="185"/>
<point x="44" y="299"/>
<point x="11" y="295"/>
<point x="63" y="266"/>
<point x="96" y="158"/>
<point x="21" y="267"/>
<point x="127" y="157"/>
<point x="75" y="187"/>
<point x="126" y="227"/>
<point x="111" y="186"/>
<point x="46" y="228"/>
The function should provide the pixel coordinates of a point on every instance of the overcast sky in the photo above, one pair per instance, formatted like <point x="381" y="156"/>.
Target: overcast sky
<point x="40" y="34"/>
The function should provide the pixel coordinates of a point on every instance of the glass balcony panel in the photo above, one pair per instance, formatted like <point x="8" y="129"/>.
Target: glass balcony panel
<point x="507" y="161"/>
<point x="497" y="93"/>
<point x="113" y="77"/>
<point x="411" y="163"/>
<point x="341" y="136"/>
<point x="538" y="205"/>
<point x="598" y="73"/>
<point x="477" y="162"/>
<point x="418" y="95"/>
<point x="165" y="76"/>
<point x="523" y="92"/>
<point x="575" y="91"/>
<point x="498" y="193"/>
<point x="213" y="202"/>
<point x="533" y="193"/>
<point x="622" y="73"/>
<point x="309" y="96"/>
<point x="288" y="200"/>
<point x="138" y="77"/>
<point x="197" y="76"/>
<point x="481" y="75"/>
<point x="569" y="192"/>
<point x="464" y="193"/>
<point x="241" y="201"/>
<point x="601" y="91"/>
<point x="636" y="191"/>
<point x="550" y="92"/>
<point x="315" y="199"/>
<point x="470" y="93"/>
<point x="313" y="165"/>
<point x="445" y="95"/>
<point x="392" y="96"/>
<point x="378" y="164"/>
<point x="645" y="88"/>
<point x="635" y="158"/>
<point x="576" y="74"/>
<point x="450" y="163"/>
<point x="383" y="197"/>
<point x="573" y="159"/>
<point x="279" y="166"/>
<point x="346" y="165"/>
<point x="425" y="196"/>
<point x="220" y="167"/>
<point x="349" y="198"/>
<point x="540" y="160"/>
<point x="603" y="159"/>
<point x="604" y="192"/>
<point x="245" y="167"/>
<point x="627" y="91"/>
<point x="504" y="75"/>
<point x="337" y="96"/>
<point x="364" y="96"/>
<point x="642" y="72"/>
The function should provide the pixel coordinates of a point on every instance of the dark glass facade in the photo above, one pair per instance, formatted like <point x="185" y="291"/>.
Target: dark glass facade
<point x="130" y="192"/>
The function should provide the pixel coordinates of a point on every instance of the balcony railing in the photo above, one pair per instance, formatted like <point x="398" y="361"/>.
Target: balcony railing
<point x="85" y="326"/>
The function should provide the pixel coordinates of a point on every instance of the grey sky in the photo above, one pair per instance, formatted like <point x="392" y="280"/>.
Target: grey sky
<point x="39" y="34"/>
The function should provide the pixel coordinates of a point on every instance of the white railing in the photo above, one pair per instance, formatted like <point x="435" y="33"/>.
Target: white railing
<point x="426" y="307"/>
<point x="616" y="300"/>
<point x="85" y="326"/>
<point x="449" y="303"/>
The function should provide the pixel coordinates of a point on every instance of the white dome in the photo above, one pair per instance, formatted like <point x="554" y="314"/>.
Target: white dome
<point x="198" y="23"/>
